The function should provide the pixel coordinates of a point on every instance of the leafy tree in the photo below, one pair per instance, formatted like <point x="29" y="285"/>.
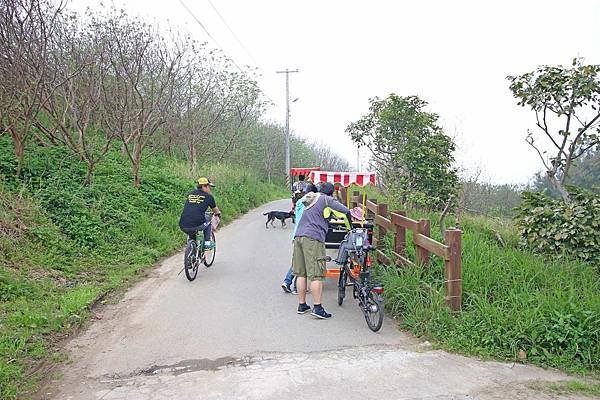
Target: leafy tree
<point x="263" y="148"/>
<point x="246" y="107"/>
<point x="410" y="151"/>
<point x="566" y="102"/>
<point x="585" y="173"/>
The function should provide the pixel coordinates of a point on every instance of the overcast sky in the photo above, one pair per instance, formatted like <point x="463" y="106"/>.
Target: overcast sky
<point x="453" y="54"/>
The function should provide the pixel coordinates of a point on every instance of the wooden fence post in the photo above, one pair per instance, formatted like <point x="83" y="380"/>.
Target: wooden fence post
<point x="422" y="255"/>
<point x="400" y="237"/>
<point x="452" y="269"/>
<point x="370" y="214"/>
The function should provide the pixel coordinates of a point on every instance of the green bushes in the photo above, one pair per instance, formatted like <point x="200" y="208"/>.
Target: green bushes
<point x="516" y="305"/>
<point x="553" y="227"/>
<point x="63" y="244"/>
<point x="412" y="155"/>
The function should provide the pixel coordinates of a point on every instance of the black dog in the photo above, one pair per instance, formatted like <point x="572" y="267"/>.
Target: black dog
<point x="280" y="215"/>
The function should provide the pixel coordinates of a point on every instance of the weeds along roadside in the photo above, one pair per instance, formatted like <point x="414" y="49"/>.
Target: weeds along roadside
<point x="63" y="245"/>
<point x="517" y="306"/>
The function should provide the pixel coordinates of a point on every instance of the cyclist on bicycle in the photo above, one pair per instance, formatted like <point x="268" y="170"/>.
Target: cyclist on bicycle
<point x="193" y="216"/>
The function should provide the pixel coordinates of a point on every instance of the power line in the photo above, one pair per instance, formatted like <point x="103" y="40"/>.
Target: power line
<point x="217" y="43"/>
<point x="239" y="42"/>
<point x="209" y="35"/>
<point x="231" y="31"/>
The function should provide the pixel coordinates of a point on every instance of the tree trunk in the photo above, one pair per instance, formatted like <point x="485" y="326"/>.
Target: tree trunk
<point x="90" y="173"/>
<point x="558" y="186"/>
<point x="192" y="156"/>
<point x="19" y="147"/>
<point x="229" y="144"/>
<point x="136" y="161"/>
<point x="170" y="146"/>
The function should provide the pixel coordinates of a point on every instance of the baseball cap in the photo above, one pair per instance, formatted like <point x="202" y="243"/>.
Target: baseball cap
<point x="205" y="181"/>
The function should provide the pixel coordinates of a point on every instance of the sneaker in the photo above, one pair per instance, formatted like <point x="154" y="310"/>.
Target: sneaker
<point x="303" y="308"/>
<point x="209" y="245"/>
<point x="295" y="290"/>
<point x="286" y="288"/>
<point x="319" y="312"/>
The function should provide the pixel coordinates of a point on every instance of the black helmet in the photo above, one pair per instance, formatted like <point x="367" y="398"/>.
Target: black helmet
<point x="310" y="188"/>
<point x="327" y="188"/>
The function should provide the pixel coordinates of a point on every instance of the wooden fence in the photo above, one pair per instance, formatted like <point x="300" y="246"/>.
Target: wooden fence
<point x="398" y="223"/>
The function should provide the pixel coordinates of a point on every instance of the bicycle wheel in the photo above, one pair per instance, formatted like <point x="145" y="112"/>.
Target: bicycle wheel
<point x="209" y="255"/>
<point x="342" y="286"/>
<point x="190" y="262"/>
<point x="373" y="311"/>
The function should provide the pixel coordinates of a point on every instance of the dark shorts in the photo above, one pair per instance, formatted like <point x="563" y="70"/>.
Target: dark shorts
<point x="191" y="232"/>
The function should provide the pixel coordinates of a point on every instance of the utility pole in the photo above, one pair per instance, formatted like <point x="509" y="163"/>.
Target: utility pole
<point x="287" y="73"/>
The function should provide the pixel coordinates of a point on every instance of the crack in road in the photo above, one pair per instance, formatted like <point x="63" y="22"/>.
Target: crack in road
<point x="207" y="364"/>
<point x="202" y="364"/>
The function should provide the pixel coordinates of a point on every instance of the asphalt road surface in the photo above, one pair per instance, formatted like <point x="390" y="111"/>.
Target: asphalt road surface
<point x="234" y="334"/>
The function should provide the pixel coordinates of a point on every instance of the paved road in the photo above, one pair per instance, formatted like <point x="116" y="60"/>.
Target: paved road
<point x="233" y="334"/>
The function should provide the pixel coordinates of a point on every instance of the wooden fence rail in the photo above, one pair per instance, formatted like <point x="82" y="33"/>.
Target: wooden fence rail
<point x="398" y="223"/>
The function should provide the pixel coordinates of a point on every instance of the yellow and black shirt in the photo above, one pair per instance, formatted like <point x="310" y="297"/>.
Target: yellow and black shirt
<point x="196" y="205"/>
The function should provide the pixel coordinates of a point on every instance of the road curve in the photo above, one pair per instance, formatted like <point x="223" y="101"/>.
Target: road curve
<point x="234" y="334"/>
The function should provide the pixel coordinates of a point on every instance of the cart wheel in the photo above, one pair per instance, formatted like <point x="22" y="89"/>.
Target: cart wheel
<point x="342" y="286"/>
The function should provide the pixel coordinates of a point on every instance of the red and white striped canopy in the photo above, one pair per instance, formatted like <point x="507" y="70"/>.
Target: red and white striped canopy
<point x="303" y="171"/>
<point x="343" y="178"/>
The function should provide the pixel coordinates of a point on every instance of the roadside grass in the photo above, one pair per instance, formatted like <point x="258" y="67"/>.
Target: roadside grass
<point x="569" y="387"/>
<point x="517" y="306"/>
<point x="63" y="246"/>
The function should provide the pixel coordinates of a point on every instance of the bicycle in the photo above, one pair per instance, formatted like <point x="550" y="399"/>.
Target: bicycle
<point x="195" y="253"/>
<point x="356" y="272"/>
